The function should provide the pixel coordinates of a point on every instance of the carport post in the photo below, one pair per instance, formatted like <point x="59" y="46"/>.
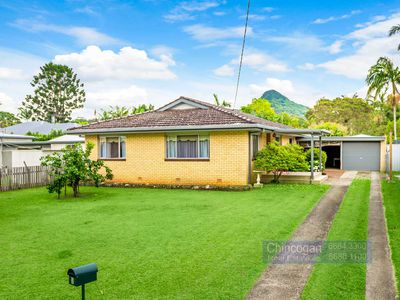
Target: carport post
<point x="312" y="158"/>
<point x="320" y="153"/>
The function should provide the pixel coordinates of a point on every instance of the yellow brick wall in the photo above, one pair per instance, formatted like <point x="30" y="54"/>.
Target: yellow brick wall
<point x="145" y="161"/>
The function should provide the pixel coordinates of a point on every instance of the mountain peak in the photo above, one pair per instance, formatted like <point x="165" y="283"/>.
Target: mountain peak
<point x="280" y="103"/>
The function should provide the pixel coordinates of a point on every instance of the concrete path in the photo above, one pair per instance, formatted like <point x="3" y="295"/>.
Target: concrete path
<point x="287" y="281"/>
<point x="380" y="276"/>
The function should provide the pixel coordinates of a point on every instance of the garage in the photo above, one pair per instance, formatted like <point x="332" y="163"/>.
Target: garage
<point x="358" y="153"/>
<point x="361" y="156"/>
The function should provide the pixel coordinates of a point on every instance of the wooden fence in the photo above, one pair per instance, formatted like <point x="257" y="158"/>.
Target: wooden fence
<point x="23" y="177"/>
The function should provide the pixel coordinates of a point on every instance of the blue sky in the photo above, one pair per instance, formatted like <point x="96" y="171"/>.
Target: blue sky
<point x="152" y="51"/>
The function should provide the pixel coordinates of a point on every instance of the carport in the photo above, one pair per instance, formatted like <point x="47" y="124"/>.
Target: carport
<point x="358" y="153"/>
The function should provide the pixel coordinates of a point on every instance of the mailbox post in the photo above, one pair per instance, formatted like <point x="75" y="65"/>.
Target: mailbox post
<point x="81" y="275"/>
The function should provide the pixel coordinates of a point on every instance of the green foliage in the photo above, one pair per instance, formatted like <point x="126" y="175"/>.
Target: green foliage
<point x="282" y="104"/>
<point x="354" y="113"/>
<point x="8" y="119"/>
<point x="276" y="159"/>
<point x="114" y="112"/>
<point x="217" y="102"/>
<point x="57" y="92"/>
<point x="383" y="77"/>
<point x="316" y="158"/>
<point x="262" y="108"/>
<point x="81" y="121"/>
<point x="335" y="128"/>
<point x="45" y="137"/>
<point x="72" y="166"/>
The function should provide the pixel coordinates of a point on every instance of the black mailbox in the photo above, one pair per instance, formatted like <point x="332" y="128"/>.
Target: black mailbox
<point x="83" y="274"/>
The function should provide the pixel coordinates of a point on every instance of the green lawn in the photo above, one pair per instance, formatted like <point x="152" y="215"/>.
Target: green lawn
<point x="344" y="281"/>
<point x="148" y="243"/>
<point x="391" y="200"/>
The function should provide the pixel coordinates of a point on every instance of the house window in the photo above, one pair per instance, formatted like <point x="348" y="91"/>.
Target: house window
<point x="290" y="140"/>
<point x="113" y="147"/>
<point x="188" y="146"/>
<point x="254" y="145"/>
<point x="278" y="139"/>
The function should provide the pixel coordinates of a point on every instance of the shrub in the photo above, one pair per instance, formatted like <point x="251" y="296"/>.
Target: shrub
<point x="316" y="159"/>
<point x="277" y="159"/>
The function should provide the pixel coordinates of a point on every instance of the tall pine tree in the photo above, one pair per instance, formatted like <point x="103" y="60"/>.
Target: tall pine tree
<point x="57" y="92"/>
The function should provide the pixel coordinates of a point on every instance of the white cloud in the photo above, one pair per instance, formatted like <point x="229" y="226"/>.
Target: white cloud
<point x="7" y="103"/>
<point x="127" y="96"/>
<point x="184" y="10"/>
<point x="336" y="18"/>
<point x="208" y="33"/>
<point x="336" y="47"/>
<point x="259" y="61"/>
<point x="307" y="67"/>
<point x="83" y="35"/>
<point x="267" y="9"/>
<point x="282" y="85"/>
<point x="374" y="19"/>
<point x="219" y="13"/>
<point x="370" y="43"/>
<point x="94" y="64"/>
<point x="87" y="10"/>
<point x="300" y="41"/>
<point x="11" y="73"/>
<point x="225" y="71"/>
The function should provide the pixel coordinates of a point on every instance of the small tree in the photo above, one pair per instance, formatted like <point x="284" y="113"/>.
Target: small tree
<point x="72" y="166"/>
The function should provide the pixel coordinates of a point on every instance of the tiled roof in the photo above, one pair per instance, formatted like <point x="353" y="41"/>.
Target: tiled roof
<point x="214" y="115"/>
<point x="42" y="127"/>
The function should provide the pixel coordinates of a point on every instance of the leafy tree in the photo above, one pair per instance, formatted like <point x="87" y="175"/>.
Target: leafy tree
<point x="276" y="159"/>
<point x="324" y="157"/>
<point x="24" y="113"/>
<point x="217" y="102"/>
<point x="8" y="119"/>
<point x="57" y="92"/>
<point x="383" y="77"/>
<point x="72" y="166"/>
<point x="335" y="128"/>
<point x="395" y="30"/>
<point x="141" y="108"/>
<point x="46" y="137"/>
<point x="354" y="113"/>
<point x="114" y="112"/>
<point x="260" y="108"/>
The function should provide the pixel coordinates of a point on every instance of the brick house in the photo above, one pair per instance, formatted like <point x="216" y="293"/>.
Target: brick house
<point x="186" y="142"/>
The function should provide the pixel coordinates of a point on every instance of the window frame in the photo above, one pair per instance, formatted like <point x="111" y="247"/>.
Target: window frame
<point x="176" y="136"/>
<point x="119" y="137"/>
<point x="252" y="135"/>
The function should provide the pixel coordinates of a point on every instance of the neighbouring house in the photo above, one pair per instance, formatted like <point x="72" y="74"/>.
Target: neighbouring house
<point x="22" y="150"/>
<point x="42" y="127"/>
<point x="186" y="142"/>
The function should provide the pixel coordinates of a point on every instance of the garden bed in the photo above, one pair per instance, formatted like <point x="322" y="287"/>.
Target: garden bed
<point x="295" y="177"/>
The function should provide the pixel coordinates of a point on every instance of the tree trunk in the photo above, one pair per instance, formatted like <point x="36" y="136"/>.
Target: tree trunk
<point x="395" y="119"/>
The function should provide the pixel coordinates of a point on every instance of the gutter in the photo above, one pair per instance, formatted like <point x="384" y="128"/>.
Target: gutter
<point x="161" y="129"/>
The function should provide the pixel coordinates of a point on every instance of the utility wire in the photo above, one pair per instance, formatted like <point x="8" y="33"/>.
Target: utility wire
<point x="241" y="55"/>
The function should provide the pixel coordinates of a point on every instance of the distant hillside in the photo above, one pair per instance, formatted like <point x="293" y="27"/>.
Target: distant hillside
<point x="281" y="103"/>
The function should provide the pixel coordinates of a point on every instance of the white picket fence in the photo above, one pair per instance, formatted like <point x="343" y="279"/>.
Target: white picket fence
<point x="396" y="157"/>
<point x="23" y="177"/>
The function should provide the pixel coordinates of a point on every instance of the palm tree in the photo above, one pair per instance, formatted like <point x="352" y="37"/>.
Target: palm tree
<point x="395" y="30"/>
<point x="224" y="103"/>
<point x="141" y="108"/>
<point x="383" y="77"/>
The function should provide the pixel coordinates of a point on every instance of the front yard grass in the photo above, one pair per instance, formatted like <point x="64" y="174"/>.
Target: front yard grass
<point x="344" y="281"/>
<point x="148" y="243"/>
<point x="391" y="201"/>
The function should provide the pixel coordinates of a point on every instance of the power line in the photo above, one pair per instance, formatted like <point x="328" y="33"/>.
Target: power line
<point x="241" y="55"/>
